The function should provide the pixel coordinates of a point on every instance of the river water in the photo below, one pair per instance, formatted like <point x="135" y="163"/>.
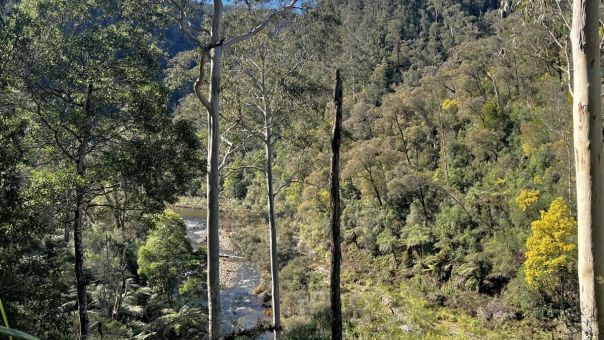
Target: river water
<point x="240" y="308"/>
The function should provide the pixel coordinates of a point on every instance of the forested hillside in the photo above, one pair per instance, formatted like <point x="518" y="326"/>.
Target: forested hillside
<point x="457" y="168"/>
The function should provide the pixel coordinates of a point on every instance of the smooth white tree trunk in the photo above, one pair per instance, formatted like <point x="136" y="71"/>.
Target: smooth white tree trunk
<point x="213" y="189"/>
<point x="588" y="142"/>
<point x="212" y="105"/>
<point x="272" y="231"/>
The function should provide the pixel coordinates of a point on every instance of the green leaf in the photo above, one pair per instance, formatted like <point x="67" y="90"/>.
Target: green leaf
<point x="16" y="334"/>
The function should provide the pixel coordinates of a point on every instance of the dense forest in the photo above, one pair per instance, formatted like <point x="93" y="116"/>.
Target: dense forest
<point x="445" y="204"/>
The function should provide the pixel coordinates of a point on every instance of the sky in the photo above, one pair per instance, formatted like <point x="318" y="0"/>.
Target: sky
<point x="273" y="3"/>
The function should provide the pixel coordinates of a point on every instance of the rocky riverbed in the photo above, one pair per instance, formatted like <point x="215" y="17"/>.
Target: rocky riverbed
<point x="241" y="309"/>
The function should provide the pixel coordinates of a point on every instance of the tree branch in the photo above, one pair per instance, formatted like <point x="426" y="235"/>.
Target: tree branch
<point x="291" y="179"/>
<point x="239" y="38"/>
<point x="184" y="23"/>
<point x="287" y="74"/>
<point x="242" y="167"/>
<point x="55" y="134"/>
<point x="232" y="149"/>
<point x="199" y="81"/>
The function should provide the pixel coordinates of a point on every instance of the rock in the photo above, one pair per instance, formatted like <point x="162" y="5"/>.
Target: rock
<point x="265" y="297"/>
<point x="484" y="313"/>
<point x="407" y="328"/>
<point x="496" y="310"/>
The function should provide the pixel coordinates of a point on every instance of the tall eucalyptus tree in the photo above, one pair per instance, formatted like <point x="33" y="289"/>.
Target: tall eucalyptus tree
<point x="589" y="165"/>
<point x="264" y="92"/>
<point x="211" y="44"/>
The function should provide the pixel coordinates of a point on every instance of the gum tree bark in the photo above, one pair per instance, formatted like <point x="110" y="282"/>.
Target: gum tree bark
<point x="213" y="176"/>
<point x="589" y="166"/>
<point x="334" y="209"/>
<point x="272" y="229"/>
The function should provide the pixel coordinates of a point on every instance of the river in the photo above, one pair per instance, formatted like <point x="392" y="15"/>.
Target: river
<point x="240" y="308"/>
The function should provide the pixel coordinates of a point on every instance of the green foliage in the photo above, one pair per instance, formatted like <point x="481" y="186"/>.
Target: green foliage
<point x="167" y="258"/>
<point x="444" y="165"/>
<point x="400" y="312"/>
<point x="16" y="334"/>
<point x="81" y="82"/>
<point x="33" y="261"/>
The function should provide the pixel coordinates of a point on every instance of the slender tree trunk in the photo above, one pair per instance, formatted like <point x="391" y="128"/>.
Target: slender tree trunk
<point x="400" y="130"/>
<point x="334" y="187"/>
<point x="78" y="224"/>
<point x="588" y="140"/>
<point x="120" y="292"/>
<point x="78" y="244"/>
<point x="445" y="154"/>
<point x="212" y="198"/>
<point x="272" y="231"/>
<point x="79" y="260"/>
<point x="374" y="185"/>
<point x="213" y="176"/>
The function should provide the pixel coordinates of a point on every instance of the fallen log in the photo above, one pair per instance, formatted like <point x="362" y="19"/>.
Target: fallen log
<point x="232" y="256"/>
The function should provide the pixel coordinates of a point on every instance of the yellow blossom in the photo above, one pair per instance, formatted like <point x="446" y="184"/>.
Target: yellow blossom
<point x="527" y="199"/>
<point x="551" y="247"/>
<point x="449" y="104"/>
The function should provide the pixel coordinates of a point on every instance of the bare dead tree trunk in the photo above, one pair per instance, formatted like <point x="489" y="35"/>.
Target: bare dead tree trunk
<point x="588" y="141"/>
<point x="334" y="207"/>
<point x="272" y="230"/>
